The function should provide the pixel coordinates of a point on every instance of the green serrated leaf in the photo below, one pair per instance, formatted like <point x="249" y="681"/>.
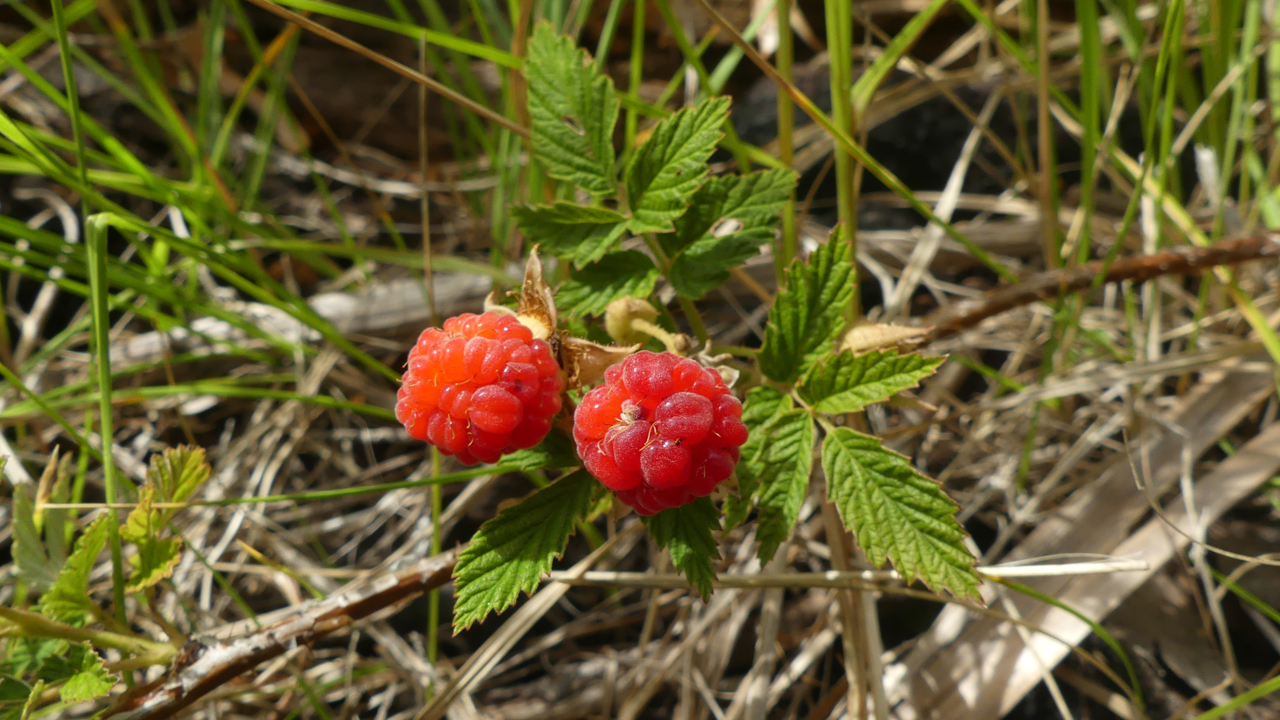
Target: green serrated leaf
<point x="157" y="555"/>
<point x="177" y="473"/>
<point x="847" y="383"/>
<point x="731" y="205"/>
<point x="581" y="234"/>
<point x="897" y="513"/>
<point x="783" y="471"/>
<point x="670" y="166"/>
<point x="154" y="562"/>
<point x="763" y="406"/>
<point x="143" y="522"/>
<point x="33" y="563"/>
<point x="555" y="451"/>
<point x="809" y="312"/>
<point x="622" y="274"/>
<point x="573" y="109"/>
<point x="90" y="680"/>
<point x="687" y="532"/>
<point x="511" y="552"/>
<point x="729" y="218"/>
<point x="67" y="600"/>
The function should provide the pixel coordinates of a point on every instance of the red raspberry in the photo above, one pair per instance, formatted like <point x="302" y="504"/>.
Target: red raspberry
<point x="480" y="388"/>
<point x="661" y="431"/>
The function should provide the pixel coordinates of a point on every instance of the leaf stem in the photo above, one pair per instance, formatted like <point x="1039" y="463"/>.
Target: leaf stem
<point x="653" y="330"/>
<point x="35" y="624"/>
<point x="690" y="312"/>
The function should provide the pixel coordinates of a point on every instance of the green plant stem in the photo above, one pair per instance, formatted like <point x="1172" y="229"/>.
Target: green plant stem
<point x="34" y="624"/>
<point x="606" y="34"/>
<point x="785" y="248"/>
<point x="636" y="75"/>
<point x="690" y="312"/>
<point x="840" y="49"/>
<point x="96" y="247"/>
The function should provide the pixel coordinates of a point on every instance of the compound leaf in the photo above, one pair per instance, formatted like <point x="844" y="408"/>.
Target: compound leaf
<point x="90" y="680"/>
<point x="808" y="314"/>
<point x="573" y="109"/>
<point x="68" y="599"/>
<point x="783" y="470"/>
<point x="582" y="234"/>
<point x="847" y="383"/>
<point x="622" y="274"/>
<point x="729" y="218"/>
<point x="511" y="552"/>
<point x="897" y="513"/>
<point x="687" y="532"/>
<point x="764" y="405"/>
<point x="670" y="166"/>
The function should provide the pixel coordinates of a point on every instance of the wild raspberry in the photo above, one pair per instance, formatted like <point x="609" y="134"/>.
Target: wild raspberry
<point x="661" y="431"/>
<point x="480" y="388"/>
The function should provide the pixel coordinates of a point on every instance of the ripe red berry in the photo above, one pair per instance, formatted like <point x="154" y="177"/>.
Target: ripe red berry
<point x="660" y="432"/>
<point x="480" y="388"/>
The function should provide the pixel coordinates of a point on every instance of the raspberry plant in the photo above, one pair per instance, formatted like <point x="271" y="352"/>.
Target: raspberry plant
<point x="805" y="384"/>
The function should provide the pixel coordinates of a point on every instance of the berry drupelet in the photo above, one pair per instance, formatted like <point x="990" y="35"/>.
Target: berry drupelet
<point x="660" y="432"/>
<point x="479" y="388"/>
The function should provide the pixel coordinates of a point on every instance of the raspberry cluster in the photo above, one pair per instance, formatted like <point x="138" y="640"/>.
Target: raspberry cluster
<point x="479" y="388"/>
<point x="660" y="432"/>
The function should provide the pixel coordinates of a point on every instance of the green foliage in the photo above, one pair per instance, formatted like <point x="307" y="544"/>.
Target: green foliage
<point x="783" y="468"/>
<point x="763" y="406"/>
<point x="73" y="664"/>
<point x="89" y="679"/>
<point x="808" y="315"/>
<point x="68" y="599"/>
<point x="687" y="532"/>
<point x="729" y="218"/>
<point x="897" y="513"/>
<point x="573" y="108"/>
<point x="669" y="167"/>
<point x="34" y="565"/>
<point x="173" y="477"/>
<point x="176" y="474"/>
<point x="511" y="552"/>
<point x="622" y="274"/>
<point x="28" y="655"/>
<point x="847" y="383"/>
<point x="156" y="555"/>
<point x="582" y="234"/>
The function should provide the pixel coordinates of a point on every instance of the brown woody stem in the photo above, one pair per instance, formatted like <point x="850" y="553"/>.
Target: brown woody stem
<point x="1055" y="283"/>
